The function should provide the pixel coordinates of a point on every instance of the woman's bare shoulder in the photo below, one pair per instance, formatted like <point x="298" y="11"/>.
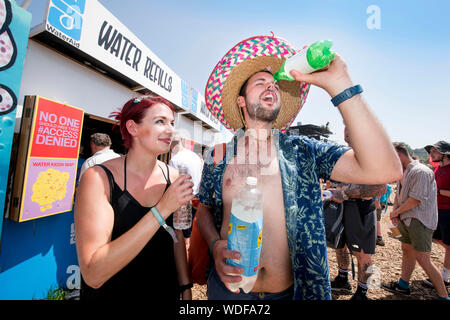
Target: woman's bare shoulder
<point x="92" y="179"/>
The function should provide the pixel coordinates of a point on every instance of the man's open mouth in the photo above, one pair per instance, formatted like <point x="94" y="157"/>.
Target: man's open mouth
<point x="269" y="96"/>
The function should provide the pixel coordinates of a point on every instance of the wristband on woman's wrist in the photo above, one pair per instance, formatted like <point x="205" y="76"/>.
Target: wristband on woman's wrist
<point x="163" y="224"/>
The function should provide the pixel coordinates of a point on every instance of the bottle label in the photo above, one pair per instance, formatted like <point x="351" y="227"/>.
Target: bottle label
<point x="299" y="62"/>
<point x="245" y="237"/>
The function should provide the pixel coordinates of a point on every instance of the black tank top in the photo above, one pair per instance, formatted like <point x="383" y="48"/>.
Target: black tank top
<point x="152" y="273"/>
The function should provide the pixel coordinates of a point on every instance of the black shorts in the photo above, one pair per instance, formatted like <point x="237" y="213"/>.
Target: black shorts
<point x="442" y="231"/>
<point x="360" y="220"/>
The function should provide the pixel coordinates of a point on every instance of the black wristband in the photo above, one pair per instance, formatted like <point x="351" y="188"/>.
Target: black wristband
<point x="346" y="94"/>
<point x="439" y="192"/>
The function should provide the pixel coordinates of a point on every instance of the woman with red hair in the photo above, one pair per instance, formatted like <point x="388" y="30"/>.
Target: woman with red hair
<point x="120" y="207"/>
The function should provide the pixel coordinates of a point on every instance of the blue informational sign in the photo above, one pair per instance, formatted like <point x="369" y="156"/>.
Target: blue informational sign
<point x="14" y="30"/>
<point x="184" y="95"/>
<point x="194" y="101"/>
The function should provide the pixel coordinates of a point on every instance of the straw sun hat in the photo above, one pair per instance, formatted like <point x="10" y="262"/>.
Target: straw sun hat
<point x="249" y="56"/>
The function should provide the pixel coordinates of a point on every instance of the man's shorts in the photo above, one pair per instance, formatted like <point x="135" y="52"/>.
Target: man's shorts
<point x="419" y="236"/>
<point x="359" y="226"/>
<point x="442" y="231"/>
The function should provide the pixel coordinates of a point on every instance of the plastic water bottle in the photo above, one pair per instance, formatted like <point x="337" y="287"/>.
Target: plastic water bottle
<point x="182" y="218"/>
<point x="315" y="57"/>
<point x="245" y="233"/>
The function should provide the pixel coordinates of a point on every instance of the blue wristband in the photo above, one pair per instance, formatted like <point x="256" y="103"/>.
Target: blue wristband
<point x="163" y="224"/>
<point x="346" y="94"/>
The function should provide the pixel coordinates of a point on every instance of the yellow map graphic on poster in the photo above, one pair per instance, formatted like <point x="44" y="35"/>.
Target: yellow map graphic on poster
<point x="50" y="186"/>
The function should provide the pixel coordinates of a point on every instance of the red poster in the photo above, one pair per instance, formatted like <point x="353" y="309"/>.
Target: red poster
<point x="57" y="130"/>
<point x="51" y="166"/>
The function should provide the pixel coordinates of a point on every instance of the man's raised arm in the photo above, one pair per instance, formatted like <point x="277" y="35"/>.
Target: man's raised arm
<point x="373" y="159"/>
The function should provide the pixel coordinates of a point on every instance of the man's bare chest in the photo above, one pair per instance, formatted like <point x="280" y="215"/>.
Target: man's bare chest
<point x="269" y="184"/>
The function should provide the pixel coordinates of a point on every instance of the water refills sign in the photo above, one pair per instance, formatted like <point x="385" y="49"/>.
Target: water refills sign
<point x="245" y="237"/>
<point x="91" y="28"/>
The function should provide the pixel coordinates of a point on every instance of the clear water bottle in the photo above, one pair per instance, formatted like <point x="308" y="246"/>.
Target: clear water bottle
<point x="245" y="233"/>
<point x="182" y="218"/>
<point x="315" y="57"/>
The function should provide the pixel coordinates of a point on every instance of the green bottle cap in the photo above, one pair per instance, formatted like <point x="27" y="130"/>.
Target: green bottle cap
<point x="319" y="54"/>
<point x="282" y="75"/>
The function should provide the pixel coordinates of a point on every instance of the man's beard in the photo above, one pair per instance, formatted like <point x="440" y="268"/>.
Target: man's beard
<point x="437" y="159"/>
<point x="258" y="112"/>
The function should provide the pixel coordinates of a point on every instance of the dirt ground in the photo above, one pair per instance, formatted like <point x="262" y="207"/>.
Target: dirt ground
<point x="388" y="260"/>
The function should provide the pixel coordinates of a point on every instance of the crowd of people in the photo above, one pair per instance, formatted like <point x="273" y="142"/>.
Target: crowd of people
<point x="126" y="242"/>
<point x="414" y="213"/>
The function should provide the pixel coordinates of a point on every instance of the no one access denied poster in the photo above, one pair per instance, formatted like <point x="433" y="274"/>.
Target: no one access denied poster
<point x="51" y="165"/>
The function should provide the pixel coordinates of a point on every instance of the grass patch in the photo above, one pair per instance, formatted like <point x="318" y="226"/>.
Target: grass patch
<point x="58" y="293"/>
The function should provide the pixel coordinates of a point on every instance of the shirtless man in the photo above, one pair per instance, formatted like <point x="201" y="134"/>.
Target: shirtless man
<point x="267" y="171"/>
<point x="293" y="263"/>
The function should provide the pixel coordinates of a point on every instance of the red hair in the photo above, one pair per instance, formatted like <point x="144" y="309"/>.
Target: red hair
<point x="135" y="109"/>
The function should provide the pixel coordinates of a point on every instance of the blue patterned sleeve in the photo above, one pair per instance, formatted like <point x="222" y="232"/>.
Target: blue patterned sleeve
<point x="206" y="188"/>
<point x="327" y="154"/>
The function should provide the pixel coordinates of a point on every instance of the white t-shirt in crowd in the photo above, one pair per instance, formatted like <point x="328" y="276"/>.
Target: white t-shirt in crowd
<point x="192" y="162"/>
<point x="98" y="157"/>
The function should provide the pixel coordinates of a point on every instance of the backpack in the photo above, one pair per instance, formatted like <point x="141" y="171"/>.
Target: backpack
<point x="334" y="225"/>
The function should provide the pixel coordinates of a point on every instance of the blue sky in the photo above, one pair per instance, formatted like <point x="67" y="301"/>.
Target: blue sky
<point x="403" y="67"/>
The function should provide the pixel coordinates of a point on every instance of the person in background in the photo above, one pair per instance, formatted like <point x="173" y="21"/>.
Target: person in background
<point x="359" y="234"/>
<point x="380" y="241"/>
<point x="415" y="214"/>
<point x="440" y="153"/>
<point x="182" y="157"/>
<point x="381" y="204"/>
<point x="127" y="248"/>
<point x="100" y="144"/>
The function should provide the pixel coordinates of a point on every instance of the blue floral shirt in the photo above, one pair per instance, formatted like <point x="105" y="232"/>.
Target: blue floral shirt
<point x="302" y="162"/>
